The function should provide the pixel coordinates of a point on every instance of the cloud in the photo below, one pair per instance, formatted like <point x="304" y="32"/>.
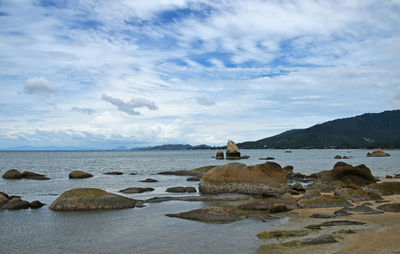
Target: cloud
<point x="39" y="86"/>
<point x="88" y="111"/>
<point x="130" y="106"/>
<point x="205" y="101"/>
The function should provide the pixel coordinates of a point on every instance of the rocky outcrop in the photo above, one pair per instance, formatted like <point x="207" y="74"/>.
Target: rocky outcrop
<point x="267" y="178"/>
<point x="135" y="190"/>
<point x="16" y="204"/>
<point x="181" y="189"/>
<point x="232" y="151"/>
<point x="78" y="174"/>
<point x="196" y="172"/>
<point x="15" y="174"/>
<point x="378" y="153"/>
<point x="219" y="155"/>
<point x="90" y="199"/>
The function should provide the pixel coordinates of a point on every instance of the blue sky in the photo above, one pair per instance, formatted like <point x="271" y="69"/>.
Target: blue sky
<point x="108" y="73"/>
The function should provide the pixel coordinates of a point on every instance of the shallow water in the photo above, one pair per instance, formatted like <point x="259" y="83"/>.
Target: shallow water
<point x="140" y="230"/>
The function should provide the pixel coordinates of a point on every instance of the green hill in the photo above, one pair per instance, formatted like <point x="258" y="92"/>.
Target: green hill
<point x="377" y="130"/>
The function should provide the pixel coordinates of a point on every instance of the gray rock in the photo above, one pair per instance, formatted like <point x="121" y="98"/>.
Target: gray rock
<point x="78" y="174"/>
<point x="323" y="215"/>
<point x="321" y="240"/>
<point x="149" y="180"/>
<point x="114" y="173"/>
<point x="135" y="190"/>
<point x="393" y="207"/>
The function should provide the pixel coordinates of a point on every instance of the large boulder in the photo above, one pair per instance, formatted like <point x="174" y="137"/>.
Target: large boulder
<point x="16" y="204"/>
<point x="378" y="153"/>
<point x="267" y="178"/>
<point x="219" y="155"/>
<point x="12" y="174"/>
<point x="90" y="199"/>
<point x="78" y="174"/>
<point x="232" y="151"/>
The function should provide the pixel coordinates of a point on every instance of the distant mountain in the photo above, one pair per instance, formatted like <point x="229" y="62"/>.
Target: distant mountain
<point x="180" y="147"/>
<point x="371" y="130"/>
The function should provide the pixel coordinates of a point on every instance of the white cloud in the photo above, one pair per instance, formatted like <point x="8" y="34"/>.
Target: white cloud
<point x="39" y="85"/>
<point x="130" y="106"/>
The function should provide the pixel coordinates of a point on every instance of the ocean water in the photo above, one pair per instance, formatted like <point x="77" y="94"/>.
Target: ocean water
<point x="140" y="230"/>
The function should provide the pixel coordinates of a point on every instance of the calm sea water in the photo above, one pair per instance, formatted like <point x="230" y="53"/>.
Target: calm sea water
<point x="139" y="230"/>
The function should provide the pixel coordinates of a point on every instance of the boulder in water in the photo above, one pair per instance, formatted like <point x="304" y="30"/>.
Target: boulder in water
<point x="219" y="155"/>
<point x="12" y="174"/>
<point x="90" y="199"/>
<point x="267" y="178"/>
<point x="232" y="151"/>
<point x="378" y="153"/>
<point x="16" y="204"/>
<point x="78" y="174"/>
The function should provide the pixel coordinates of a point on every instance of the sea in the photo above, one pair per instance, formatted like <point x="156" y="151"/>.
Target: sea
<point x="141" y="230"/>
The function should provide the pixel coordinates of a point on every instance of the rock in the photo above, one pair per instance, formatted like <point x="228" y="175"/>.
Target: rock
<point x="323" y="215"/>
<point x="312" y="194"/>
<point x="114" y="173"/>
<point x="220" y="155"/>
<point x="345" y="211"/>
<point x="335" y="223"/>
<point x="196" y="172"/>
<point x="357" y="195"/>
<point x="323" y="201"/>
<point x="3" y="200"/>
<point x="78" y="174"/>
<point x="267" y="158"/>
<point x="4" y="194"/>
<point x="378" y="153"/>
<point x="16" y="204"/>
<point x="139" y="204"/>
<point x="204" y="198"/>
<point x="288" y="169"/>
<point x="244" y="157"/>
<point x="337" y="157"/>
<point x="288" y="151"/>
<point x="12" y="174"/>
<point x="321" y="240"/>
<point x="181" y="189"/>
<point x="389" y="176"/>
<point x="393" y="207"/>
<point x="36" y="204"/>
<point x="193" y="179"/>
<point x="282" y="234"/>
<point x="149" y="180"/>
<point x="266" y="205"/>
<point x="267" y="178"/>
<point x="90" y="199"/>
<point x="211" y="214"/>
<point x="385" y="188"/>
<point x="34" y="176"/>
<point x="232" y="151"/>
<point x="135" y="190"/>
<point x="278" y="208"/>
<point x="132" y="174"/>
<point x="298" y="187"/>
<point x="346" y="157"/>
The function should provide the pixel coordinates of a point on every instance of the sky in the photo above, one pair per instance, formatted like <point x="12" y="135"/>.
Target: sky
<point x="103" y="74"/>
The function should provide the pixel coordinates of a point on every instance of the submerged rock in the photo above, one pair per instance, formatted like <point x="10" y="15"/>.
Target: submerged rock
<point x="321" y="240"/>
<point x="378" y="153"/>
<point x="78" y="174"/>
<point x="181" y="189"/>
<point x="135" y="190"/>
<point x="193" y="179"/>
<point x="232" y="151"/>
<point x="267" y="178"/>
<point x="149" y="180"/>
<point x="36" y="204"/>
<point x="211" y="214"/>
<point x="282" y="234"/>
<point x="114" y="173"/>
<point x="34" y="176"/>
<point x="90" y="199"/>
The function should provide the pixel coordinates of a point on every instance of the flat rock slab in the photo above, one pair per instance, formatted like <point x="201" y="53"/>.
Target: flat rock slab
<point x="114" y="173"/>
<point x="135" y="190"/>
<point x="221" y="197"/>
<point x="181" y="189"/>
<point x="335" y="223"/>
<point x="149" y="180"/>
<point x="90" y="199"/>
<point x="393" y="207"/>
<point x="211" y="214"/>
<point x="321" y="240"/>
<point x="323" y="201"/>
<point x="323" y="215"/>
